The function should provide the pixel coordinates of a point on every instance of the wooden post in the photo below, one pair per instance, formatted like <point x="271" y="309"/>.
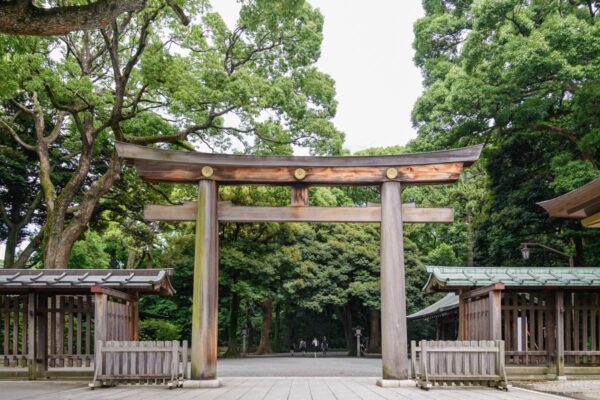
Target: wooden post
<point x="560" y="334"/>
<point x="393" y="294"/>
<point x="100" y="317"/>
<point x="300" y="195"/>
<point x="37" y="321"/>
<point x="206" y="285"/>
<point x="495" y="314"/>
<point x="134" y="309"/>
<point x="462" y="323"/>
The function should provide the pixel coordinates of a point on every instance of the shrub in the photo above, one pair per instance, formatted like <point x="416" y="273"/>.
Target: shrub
<point x="156" y="329"/>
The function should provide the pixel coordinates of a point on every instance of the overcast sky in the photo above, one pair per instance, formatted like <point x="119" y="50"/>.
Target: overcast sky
<point x="367" y="49"/>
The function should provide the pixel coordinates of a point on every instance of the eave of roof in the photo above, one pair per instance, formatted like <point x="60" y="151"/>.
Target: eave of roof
<point x="150" y="281"/>
<point x="455" y="278"/>
<point x="579" y="203"/>
<point x="132" y="152"/>
<point x="446" y="305"/>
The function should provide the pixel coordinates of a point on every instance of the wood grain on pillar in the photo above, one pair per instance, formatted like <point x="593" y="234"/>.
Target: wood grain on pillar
<point x="206" y="273"/>
<point x="393" y="301"/>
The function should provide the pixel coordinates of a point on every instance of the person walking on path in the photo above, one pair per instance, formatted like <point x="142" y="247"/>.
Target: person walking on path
<point x="315" y="344"/>
<point x="292" y="349"/>
<point x="324" y="346"/>
<point x="302" y="348"/>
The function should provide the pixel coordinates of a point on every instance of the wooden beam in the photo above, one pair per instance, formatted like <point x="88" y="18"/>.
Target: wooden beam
<point x="230" y="213"/>
<point x="484" y="290"/>
<point x="112" y="292"/>
<point x="593" y="221"/>
<point x="185" y="173"/>
<point x="131" y="152"/>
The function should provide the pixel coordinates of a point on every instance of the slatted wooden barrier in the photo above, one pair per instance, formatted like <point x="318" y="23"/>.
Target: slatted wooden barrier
<point x="459" y="362"/>
<point x="528" y="327"/>
<point x="13" y="331"/>
<point x="71" y="338"/>
<point x="146" y="362"/>
<point x="582" y="319"/>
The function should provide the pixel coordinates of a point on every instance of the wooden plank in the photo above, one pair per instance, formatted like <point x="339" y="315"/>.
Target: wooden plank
<point x="24" y="325"/>
<point x="393" y="302"/>
<point x="60" y="330"/>
<point x="495" y="314"/>
<point x="483" y="290"/>
<point x="560" y="333"/>
<point x="131" y="152"/>
<point x="300" y="195"/>
<point x="100" y="317"/>
<point x="229" y="213"/>
<point x="70" y="315"/>
<point x="112" y="292"/>
<point x="41" y="337"/>
<point x="15" y="338"/>
<point x="339" y="176"/>
<point x="206" y="281"/>
<point x="593" y="324"/>
<point x="6" y="325"/>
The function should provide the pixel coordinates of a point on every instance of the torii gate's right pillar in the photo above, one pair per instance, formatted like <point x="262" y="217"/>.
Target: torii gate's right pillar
<point x="393" y="301"/>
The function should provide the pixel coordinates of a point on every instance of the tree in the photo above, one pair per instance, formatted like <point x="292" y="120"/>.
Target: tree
<point x="494" y="68"/>
<point x="146" y="79"/>
<point x="23" y="17"/>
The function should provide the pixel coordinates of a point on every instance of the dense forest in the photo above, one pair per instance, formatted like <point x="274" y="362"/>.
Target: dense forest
<point x="522" y="77"/>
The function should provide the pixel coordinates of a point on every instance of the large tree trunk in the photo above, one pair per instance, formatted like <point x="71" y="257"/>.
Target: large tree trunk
<point x="345" y="316"/>
<point x="264" y="346"/>
<point x="233" y="349"/>
<point x="277" y="328"/>
<point x="375" y="335"/>
<point x="11" y="248"/>
<point x="21" y="17"/>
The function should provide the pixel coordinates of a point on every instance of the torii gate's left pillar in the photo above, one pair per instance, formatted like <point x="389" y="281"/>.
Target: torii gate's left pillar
<point x="206" y="289"/>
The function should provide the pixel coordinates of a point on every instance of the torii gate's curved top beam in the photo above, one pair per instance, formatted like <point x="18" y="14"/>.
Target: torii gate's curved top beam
<point x="177" y="166"/>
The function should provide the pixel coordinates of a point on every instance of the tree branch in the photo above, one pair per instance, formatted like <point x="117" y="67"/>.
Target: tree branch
<point x="16" y="136"/>
<point x="18" y="17"/>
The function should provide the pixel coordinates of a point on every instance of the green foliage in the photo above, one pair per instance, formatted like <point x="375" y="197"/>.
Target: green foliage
<point x="158" y="329"/>
<point x="90" y="252"/>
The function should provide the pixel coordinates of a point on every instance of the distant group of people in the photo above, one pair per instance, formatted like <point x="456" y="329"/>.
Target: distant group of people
<point x="324" y="346"/>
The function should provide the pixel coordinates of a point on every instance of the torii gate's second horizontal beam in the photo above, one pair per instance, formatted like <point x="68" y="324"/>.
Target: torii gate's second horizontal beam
<point x="230" y="213"/>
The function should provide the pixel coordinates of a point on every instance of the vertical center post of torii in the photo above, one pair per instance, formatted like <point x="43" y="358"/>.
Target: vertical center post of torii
<point x="393" y="300"/>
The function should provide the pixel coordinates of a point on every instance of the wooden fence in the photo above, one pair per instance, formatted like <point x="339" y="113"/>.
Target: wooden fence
<point x="528" y="327"/>
<point x="147" y="361"/>
<point x="459" y="362"/>
<point x="70" y="335"/>
<point x="582" y="327"/>
<point x="69" y="323"/>
<point x="13" y="331"/>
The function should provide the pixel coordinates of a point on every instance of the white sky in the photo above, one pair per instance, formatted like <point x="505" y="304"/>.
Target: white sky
<point x="367" y="49"/>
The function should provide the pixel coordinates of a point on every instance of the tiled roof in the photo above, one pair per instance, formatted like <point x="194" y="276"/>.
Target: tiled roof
<point x="442" y="307"/>
<point x="452" y="278"/>
<point x="142" y="280"/>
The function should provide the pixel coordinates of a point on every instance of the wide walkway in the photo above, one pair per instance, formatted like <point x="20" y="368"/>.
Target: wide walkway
<point x="261" y="389"/>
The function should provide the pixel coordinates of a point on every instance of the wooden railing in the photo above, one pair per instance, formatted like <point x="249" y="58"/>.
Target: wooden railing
<point x="155" y="362"/>
<point x="13" y="331"/>
<point x="459" y="362"/>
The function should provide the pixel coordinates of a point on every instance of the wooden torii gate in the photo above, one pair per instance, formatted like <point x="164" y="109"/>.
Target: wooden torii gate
<point x="209" y="171"/>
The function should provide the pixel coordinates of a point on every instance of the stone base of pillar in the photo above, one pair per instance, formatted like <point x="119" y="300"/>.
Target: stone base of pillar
<point x="394" y="383"/>
<point x="202" y="384"/>
<point x="561" y="378"/>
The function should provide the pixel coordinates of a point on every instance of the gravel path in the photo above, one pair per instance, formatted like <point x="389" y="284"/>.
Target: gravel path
<point x="582" y="390"/>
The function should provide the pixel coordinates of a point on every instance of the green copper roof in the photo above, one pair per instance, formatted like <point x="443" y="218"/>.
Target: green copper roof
<point x="452" y="278"/>
<point x="442" y="307"/>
